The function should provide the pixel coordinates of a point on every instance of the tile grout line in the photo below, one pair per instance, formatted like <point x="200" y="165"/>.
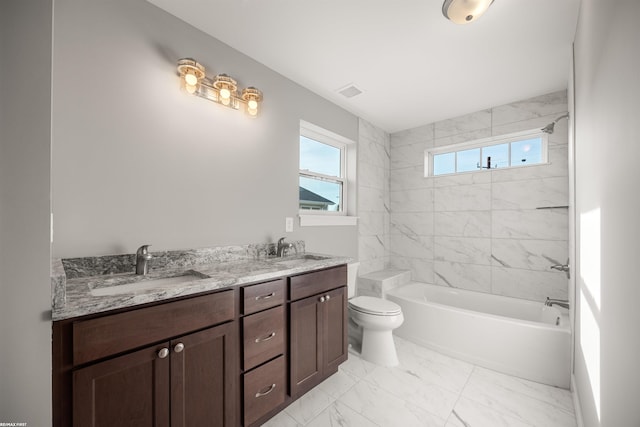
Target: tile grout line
<point x="453" y="409"/>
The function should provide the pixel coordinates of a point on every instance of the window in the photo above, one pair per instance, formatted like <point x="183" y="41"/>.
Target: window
<point x="326" y="176"/>
<point x="321" y="175"/>
<point x="506" y="151"/>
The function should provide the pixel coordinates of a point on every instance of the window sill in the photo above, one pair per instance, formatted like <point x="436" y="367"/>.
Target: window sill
<point x="327" y="220"/>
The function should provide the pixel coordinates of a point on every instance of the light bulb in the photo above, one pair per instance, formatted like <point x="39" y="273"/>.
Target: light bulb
<point x="190" y="88"/>
<point x="190" y="78"/>
<point x="252" y="104"/>
<point x="225" y="96"/>
<point x="252" y="111"/>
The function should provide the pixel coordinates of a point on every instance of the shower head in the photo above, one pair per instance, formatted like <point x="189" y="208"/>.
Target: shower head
<point x="549" y="128"/>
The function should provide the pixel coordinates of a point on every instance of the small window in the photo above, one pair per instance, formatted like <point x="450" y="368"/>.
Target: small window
<point x="507" y="151"/>
<point x="322" y="183"/>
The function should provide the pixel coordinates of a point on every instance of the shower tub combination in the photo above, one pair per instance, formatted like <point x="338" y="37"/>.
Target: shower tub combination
<point x="514" y="336"/>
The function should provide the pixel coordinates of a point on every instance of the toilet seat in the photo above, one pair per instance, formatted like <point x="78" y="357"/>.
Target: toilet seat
<point x="374" y="306"/>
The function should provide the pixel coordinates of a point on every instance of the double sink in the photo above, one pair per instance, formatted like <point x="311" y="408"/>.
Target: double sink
<point x="132" y="284"/>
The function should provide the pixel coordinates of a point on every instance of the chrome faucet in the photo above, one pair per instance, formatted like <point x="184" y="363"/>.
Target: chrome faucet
<point x="561" y="302"/>
<point x="282" y="247"/>
<point x="142" y="260"/>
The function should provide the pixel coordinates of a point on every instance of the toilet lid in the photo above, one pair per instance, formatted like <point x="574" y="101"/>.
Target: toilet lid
<point x="373" y="305"/>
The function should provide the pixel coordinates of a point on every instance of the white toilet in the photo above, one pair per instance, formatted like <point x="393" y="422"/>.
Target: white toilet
<point x="376" y="318"/>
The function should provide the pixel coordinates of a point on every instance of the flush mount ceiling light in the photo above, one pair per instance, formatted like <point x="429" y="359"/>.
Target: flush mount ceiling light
<point x="464" y="11"/>
<point x="222" y="89"/>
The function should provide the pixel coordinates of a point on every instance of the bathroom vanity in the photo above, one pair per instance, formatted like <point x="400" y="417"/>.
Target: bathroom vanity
<point x="234" y="354"/>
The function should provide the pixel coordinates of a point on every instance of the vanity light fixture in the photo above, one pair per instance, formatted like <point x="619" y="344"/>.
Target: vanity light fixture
<point x="464" y="11"/>
<point x="222" y="88"/>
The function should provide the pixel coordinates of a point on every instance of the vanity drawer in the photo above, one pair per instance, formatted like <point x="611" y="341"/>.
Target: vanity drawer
<point x="112" y="334"/>
<point x="264" y="336"/>
<point x="308" y="284"/>
<point x="263" y="296"/>
<point x="264" y="389"/>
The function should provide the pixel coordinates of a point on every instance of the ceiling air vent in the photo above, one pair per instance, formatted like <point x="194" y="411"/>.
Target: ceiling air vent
<point x="349" y="91"/>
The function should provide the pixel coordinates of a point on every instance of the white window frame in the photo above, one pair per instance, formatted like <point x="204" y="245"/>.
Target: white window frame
<point x="347" y="147"/>
<point x="485" y="143"/>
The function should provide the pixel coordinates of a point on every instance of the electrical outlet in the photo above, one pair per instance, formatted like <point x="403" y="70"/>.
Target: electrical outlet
<point x="288" y="224"/>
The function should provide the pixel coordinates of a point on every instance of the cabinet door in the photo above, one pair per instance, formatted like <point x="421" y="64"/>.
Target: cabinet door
<point x="306" y="336"/>
<point x="334" y="341"/>
<point x="130" y="390"/>
<point x="204" y="377"/>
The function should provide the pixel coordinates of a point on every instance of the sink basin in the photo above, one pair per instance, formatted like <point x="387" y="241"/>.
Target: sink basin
<point x="143" y="285"/>
<point x="297" y="260"/>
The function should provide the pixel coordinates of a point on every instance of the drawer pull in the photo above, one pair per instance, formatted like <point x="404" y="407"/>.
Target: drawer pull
<point x="264" y="393"/>
<point x="164" y="352"/>
<point x="322" y="299"/>
<point x="328" y="297"/>
<point x="261" y="297"/>
<point x="267" y="338"/>
<point x="178" y="348"/>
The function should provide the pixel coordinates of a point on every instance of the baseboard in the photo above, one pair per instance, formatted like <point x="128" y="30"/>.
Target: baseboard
<point x="576" y="402"/>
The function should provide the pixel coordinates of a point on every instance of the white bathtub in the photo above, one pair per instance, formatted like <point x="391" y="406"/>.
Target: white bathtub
<point x="514" y="336"/>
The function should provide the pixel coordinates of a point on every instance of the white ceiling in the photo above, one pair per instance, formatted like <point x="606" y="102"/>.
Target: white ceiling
<point x="413" y="65"/>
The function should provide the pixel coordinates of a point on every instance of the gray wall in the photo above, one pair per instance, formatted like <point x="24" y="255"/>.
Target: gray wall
<point x="481" y="231"/>
<point x="607" y="90"/>
<point x="25" y="122"/>
<point x="136" y="160"/>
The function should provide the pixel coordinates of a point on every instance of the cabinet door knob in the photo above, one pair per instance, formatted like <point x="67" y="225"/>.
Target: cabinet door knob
<point x="328" y="297"/>
<point x="322" y="299"/>
<point x="164" y="352"/>
<point x="178" y="347"/>
<point x="266" y="338"/>
<point x="264" y="393"/>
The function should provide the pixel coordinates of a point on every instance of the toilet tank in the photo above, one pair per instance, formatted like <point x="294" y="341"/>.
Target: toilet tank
<point x="352" y="278"/>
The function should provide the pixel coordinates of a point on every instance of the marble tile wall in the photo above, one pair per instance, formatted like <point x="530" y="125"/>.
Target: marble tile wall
<point x="373" y="197"/>
<point x="481" y="230"/>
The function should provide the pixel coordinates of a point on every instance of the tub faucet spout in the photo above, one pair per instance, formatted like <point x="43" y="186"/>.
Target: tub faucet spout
<point x="560" y="302"/>
<point x="142" y="260"/>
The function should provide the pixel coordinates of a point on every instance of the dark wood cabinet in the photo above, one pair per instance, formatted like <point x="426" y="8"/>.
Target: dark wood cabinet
<point x="318" y="329"/>
<point x="113" y="370"/>
<point x="130" y="390"/>
<point x="184" y="382"/>
<point x="228" y="358"/>
<point x="203" y="378"/>
<point x="264" y="350"/>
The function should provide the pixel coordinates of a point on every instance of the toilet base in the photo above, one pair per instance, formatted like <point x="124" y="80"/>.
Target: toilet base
<point x="378" y="347"/>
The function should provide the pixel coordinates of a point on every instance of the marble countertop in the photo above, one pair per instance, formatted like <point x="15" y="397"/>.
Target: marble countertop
<point x="101" y="293"/>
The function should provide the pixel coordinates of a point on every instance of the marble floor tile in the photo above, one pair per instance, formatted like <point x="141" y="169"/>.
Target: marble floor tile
<point x="411" y="388"/>
<point x="309" y="406"/>
<point x="357" y="367"/>
<point x="468" y="413"/>
<point x="282" y="420"/>
<point x="433" y="367"/>
<point x="553" y="395"/>
<point x="338" y="384"/>
<point x="528" y="409"/>
<point x="385" y="409"/>
<point x="426" y="389"/>
<point x="340" y="415"/>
